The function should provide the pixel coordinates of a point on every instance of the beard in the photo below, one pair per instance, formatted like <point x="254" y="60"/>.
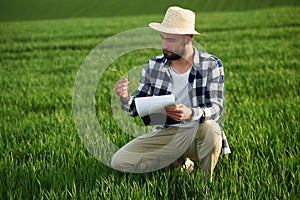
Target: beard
<point x="172" y="55"/>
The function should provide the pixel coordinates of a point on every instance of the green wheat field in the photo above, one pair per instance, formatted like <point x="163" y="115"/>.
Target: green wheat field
<point x="42" y="156"/>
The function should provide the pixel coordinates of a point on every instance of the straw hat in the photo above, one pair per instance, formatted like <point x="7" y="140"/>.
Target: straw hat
<point x="177" y="21"/>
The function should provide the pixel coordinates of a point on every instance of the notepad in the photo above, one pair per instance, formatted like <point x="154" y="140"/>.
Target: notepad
<point x="154" y="104"/>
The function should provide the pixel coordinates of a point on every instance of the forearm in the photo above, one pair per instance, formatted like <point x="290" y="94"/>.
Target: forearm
<point x="214" y="93"/>
<point x="205" y="113"/>
<point x="214" y="111"/>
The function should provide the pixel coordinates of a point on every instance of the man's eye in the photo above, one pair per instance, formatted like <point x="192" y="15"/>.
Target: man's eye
<point x="171" y="40"/>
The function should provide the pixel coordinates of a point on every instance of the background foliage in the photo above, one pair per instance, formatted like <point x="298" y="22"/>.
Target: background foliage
<point x="45" y="9"/>
<point x="42" y="157"/>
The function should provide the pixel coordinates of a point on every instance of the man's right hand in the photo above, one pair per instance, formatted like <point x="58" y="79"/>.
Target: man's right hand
<point x="121" y="89"/>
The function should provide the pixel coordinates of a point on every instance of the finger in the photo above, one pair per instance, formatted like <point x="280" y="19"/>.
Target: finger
<point x="180" y="105"/>
<point x="120" y="82"/>
<point x="126" y="84"/>
<point x="121" y="86"/>
<point x="123" y="90"/>
<point x="173" y="109"/>
<point x="120" y="91"/>
<point x="176" y="116"/>
<point x="176" y="111"/>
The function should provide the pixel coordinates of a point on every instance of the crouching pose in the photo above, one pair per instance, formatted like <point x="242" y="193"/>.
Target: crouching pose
<point x="190" y="130"/>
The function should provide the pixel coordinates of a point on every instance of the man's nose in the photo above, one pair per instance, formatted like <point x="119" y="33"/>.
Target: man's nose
<point x="164" y="44"/>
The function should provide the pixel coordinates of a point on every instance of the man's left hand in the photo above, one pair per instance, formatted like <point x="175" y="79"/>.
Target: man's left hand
<point x="180" y="113"/>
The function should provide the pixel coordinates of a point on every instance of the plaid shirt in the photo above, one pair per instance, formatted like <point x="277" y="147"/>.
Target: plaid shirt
<point x="206" y="87"/>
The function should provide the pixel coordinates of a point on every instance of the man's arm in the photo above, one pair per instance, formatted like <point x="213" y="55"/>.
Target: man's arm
<point x="126" y="100"/>
<point x="214" y="93"/>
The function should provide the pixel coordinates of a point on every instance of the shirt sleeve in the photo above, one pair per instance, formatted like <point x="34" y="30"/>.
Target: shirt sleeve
<point x="212" y="106"/>
<point x="214" y="92"/>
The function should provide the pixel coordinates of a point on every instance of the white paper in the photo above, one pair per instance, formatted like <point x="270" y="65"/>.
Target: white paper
<point x="154" y="104"/>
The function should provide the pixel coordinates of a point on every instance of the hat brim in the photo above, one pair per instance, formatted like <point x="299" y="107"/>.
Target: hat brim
<point x="161" y="28"/>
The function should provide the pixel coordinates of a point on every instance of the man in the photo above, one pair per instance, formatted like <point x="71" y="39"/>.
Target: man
<point x="197" y="81"/>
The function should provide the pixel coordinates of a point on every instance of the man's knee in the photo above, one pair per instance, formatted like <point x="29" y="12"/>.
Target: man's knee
<point x="126" y="161"/>
<point x="116" y="161"/>
<point x="210" y="125"/>
<point x="209" y="128"/>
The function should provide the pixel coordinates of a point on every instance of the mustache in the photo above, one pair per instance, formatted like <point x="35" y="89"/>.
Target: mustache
<point x="167" y="51"/>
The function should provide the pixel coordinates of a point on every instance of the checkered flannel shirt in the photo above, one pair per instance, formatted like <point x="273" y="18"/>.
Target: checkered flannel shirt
<point x="206" y="88"/>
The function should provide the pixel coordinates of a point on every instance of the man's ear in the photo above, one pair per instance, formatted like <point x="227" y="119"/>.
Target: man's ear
<point x="189" y="38"/>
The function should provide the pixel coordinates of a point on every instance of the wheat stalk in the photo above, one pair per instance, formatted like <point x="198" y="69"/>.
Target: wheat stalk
<point x="118" y="70"/>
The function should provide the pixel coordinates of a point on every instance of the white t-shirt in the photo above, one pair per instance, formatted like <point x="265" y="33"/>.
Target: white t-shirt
<point x="180" y="87"/>
<point x="181" y="92"/>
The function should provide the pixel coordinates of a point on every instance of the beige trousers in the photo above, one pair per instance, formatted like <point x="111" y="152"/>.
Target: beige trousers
<point x="164" y="146"/>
